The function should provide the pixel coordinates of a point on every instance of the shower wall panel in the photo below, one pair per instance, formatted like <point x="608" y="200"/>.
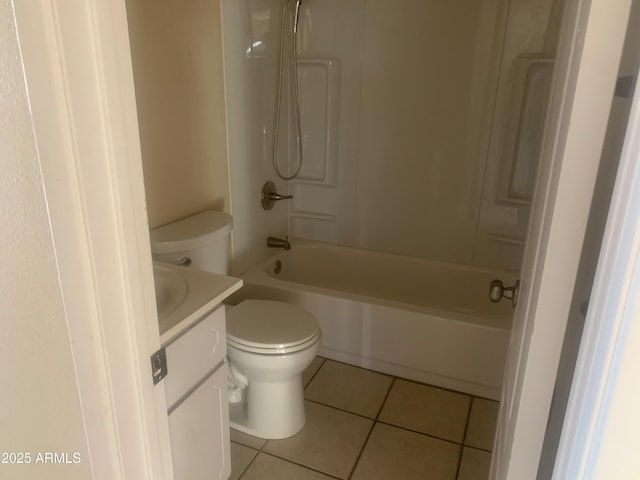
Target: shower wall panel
<point x="424" y="96"/>
<point x="251" y="30"/>
<point x="423" y="118"/>
<point x="415" y="112"/>
<point x="530" y="39"/>
<point x="332" y="29"/>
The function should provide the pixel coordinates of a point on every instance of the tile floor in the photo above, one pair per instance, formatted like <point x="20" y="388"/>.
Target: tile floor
<point x="363" y="425"/>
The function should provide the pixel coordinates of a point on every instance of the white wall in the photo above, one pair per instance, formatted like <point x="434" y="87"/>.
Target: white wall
<point x="422" y="105"/>
<point x="40" y="403"/>
<point x="176" y="49"/>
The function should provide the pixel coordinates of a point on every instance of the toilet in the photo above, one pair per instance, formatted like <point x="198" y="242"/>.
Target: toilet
<point x="269" y="343"/>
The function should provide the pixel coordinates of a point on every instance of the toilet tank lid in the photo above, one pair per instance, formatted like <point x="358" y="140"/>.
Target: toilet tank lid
<point x="191" y="232"/>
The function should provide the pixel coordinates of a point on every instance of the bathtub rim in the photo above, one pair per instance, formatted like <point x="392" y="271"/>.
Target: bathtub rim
<point x="259" y="274"/>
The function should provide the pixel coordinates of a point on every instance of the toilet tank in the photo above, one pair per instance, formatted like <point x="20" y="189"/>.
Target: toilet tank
<point x="202" y="238"/>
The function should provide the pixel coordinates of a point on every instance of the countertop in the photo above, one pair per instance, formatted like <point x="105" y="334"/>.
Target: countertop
<point x="205" y="292"/>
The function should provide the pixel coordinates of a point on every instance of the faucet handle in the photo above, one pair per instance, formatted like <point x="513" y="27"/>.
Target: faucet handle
<point x="270" y="195"/>
<point x="274" y="197"/>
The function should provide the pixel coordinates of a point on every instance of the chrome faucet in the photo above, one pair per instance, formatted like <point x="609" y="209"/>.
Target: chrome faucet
<point x="275" y="242"/>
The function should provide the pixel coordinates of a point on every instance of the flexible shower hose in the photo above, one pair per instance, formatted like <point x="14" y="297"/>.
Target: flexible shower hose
<point x="294" y="80"/>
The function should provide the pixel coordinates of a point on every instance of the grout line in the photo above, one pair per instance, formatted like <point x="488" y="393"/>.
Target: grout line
<point x="307" y="467"/>
<point x="375" y="421"/>
<point x="439" y="388"/>
<point x="258" y="452"/>
<point x="361" y="368"/>
<point x="364" y="445"/>
<point x="324" y="360"/>
<point x="479" y="449"/>
<point x="250" y="462"/>
<point x="464" y="435"/>
<point x="483" y="398"/>
<point x="420" y="433"/>
<point x="371" y="419"/>
<point x="464" y="443"/>
<point x="386" y="397"/>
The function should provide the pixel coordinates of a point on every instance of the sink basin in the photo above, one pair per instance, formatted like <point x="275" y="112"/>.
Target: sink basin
<point x="171" y="289"/>
<point x="184" y="295"/>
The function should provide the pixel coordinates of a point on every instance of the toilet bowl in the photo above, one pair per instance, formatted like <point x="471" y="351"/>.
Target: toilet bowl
<point x="269" y="345"/>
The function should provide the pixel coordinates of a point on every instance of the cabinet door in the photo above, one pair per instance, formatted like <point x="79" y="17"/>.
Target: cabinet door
<point x="194" y="354"/>
<point x="199" y="431"/>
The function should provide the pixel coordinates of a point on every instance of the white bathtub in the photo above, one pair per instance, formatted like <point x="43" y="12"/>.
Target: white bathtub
<point x="418" y="319"/>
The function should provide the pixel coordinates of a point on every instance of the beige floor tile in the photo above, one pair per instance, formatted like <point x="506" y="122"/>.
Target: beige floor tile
<point x="311" y="370"/>
<point x="426" y="409"/>
<point x="247" y="440"/>
<point x="266" y="467"/>
<point x="475" y="464"/>
<point x="349" y="388"/>
<point x="482" y="424"/>
<point x="394" y="453"/>
<point x="241" y="456"/>
<point x="330" y="441"/>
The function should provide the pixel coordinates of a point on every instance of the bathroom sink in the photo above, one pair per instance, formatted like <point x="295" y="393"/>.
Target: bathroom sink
<point x="171" y="289"/>
<point x="184" y="295"/>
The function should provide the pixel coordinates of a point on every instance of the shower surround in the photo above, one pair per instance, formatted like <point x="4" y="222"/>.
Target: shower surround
<point x="405" y="112"/>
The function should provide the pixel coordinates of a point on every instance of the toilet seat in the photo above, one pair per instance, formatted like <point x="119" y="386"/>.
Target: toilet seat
<point x="270" y="327"/>
<point x="273" y="350"/>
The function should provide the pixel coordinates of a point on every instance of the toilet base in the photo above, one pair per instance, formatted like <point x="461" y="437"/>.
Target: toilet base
<point x="270" y="410"/>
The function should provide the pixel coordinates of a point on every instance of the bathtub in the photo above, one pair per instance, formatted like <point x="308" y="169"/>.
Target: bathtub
<point x="418" y="319"/>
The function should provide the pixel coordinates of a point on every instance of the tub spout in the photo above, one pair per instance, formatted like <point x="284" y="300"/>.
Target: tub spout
<point x="275" y="242"/>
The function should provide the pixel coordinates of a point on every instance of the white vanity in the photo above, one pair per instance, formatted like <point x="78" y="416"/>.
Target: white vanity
<point x="192" y="333"/>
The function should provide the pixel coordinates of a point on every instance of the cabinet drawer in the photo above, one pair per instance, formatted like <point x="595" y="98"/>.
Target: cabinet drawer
<point x="194" y="354"/>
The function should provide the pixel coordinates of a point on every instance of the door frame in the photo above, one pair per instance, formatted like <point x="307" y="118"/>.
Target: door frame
<point x="599" y="434"/>
<point x="587" y="62"/>
<point x="77" y="67"/>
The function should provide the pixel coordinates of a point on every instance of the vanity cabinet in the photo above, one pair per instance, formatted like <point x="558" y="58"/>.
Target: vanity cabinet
<point x="197" y="402"/>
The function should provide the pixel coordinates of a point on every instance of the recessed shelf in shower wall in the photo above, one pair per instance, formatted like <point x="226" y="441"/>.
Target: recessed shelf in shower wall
<point x="524" y="129"/>
<point x="326" y="217"/>
<point x="319" y="80"/>
<point x="508" y="239"/>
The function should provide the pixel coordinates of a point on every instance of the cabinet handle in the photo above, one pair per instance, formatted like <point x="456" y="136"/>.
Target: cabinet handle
<point x="215" y="345"/>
